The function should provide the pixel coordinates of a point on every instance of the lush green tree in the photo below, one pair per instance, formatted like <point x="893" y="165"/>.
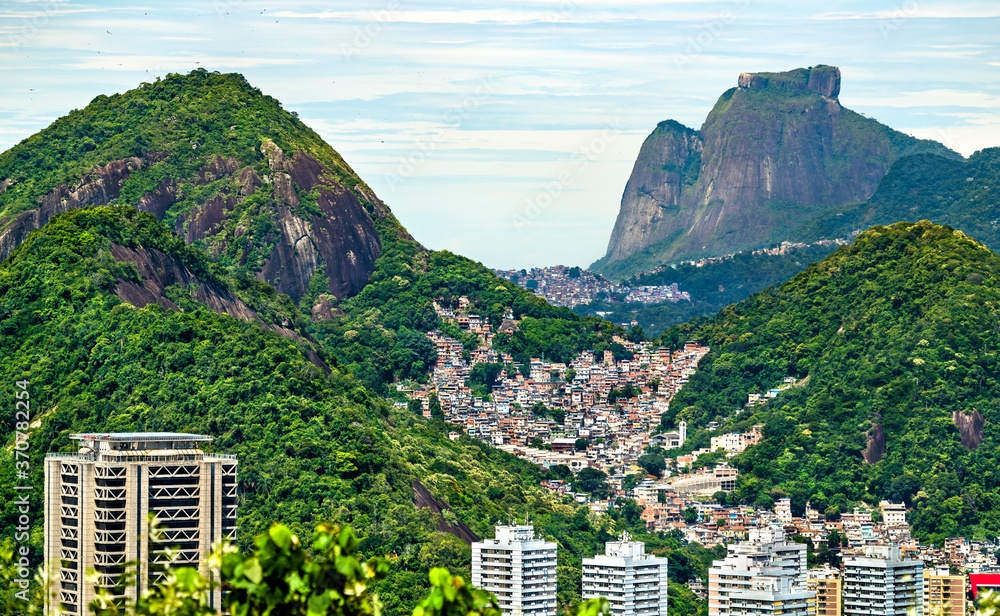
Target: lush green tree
<point x="435" y="407"/>
<point x="592" y="481"/>
<point x="484" y="376"/>
<point x="654" y="463"/>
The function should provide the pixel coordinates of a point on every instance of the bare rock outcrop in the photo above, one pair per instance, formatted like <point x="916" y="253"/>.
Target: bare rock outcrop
<point x="99" y="187"/>
<point x="208" y="219"/>
<point x="970" y="425"/>
<point x="875" y="449"/>
<point x="158" y="201"/>
<point x="159" y="270"/>
<point x="342" y="235"/>
<point x="422" y="498"/>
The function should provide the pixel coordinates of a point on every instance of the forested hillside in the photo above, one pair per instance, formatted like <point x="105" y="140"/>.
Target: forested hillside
<point x="122" y="319"/>
<point x="234" y="174"/>
<point x="314" y="444"/>
<point x="892" y="341"/>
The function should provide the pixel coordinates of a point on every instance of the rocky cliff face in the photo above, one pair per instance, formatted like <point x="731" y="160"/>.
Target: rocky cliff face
<point x="159" y="270"/>
<point x="772" y="153"/>
<point x="339" y="235"/>
<point x="99" y="187"/>
<point x="668" y="162"/>
<point x="970" y="425"/>
<point x="228" y="169"/>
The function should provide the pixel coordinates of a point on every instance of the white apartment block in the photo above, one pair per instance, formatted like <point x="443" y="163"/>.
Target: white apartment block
<point x="765" y="554"/>
<point x="97" y="502"/>
<point x="519" y="569"/>
<point x="772" y="596"/>
<point x="893" y="514"/>
<point x="882" y="583"/>
<point x="786" y="555"/>
<point x="635" y="583"/>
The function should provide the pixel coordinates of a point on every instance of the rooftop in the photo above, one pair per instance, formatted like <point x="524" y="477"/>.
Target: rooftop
<point x="140" y="436"/>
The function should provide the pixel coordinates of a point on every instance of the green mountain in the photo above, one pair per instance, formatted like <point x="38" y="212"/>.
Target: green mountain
<point x="892" y="343"/>
<point x="122" y="320"/>
<point x="219" y="162"/>
<point x="960" y="193"/>
<point x="234" y="174"/>
<point x="773" y="153"/>
<point x="964" y="194"/>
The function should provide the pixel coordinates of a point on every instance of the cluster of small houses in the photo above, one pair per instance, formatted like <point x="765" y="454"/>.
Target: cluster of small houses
<point x="560" y="288"/>
<point x="615" y="433"/>
<point x="780" y="249"/>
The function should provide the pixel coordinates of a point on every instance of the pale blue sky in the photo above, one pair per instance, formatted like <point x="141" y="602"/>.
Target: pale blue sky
<point x="507" y="134"/>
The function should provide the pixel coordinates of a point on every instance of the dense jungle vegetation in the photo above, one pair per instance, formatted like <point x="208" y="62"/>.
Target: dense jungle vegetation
<point x="897" y="331"/>
<point x="313" y="447"/>
<point x="964" y="194"/>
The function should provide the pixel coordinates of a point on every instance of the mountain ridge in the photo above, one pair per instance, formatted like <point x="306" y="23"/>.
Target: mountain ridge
<point x="217" y="160"/>
<point x="893" y="339"/>
<point x="773" y="152"/>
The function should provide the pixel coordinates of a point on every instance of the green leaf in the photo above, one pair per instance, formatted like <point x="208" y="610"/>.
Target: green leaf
<point x="281" y="535"/>
<point x="252" y="570"/>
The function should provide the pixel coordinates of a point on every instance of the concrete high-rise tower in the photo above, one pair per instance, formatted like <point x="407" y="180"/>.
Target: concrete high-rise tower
<point x="635" y="583"/>
<point x="883" y="583"/>
<point x="766" y="554"/>
<point x="97" y="503"/>
<point x="519" y="569"/>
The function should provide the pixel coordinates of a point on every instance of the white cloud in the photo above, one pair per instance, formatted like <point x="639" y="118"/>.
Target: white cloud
<point x="931" y="98"/>
<point x="963" y="139"/>
<point x="176" y="63"/>
<point x="912" y="9"/>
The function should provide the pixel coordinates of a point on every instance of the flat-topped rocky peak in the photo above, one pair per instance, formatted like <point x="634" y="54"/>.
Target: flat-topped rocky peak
<point x="823" y="80"/>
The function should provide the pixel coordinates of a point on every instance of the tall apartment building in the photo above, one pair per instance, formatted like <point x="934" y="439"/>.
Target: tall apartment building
<point x="944" y="593"/>
<point x="893" y="514"/>
<point x="635" y="583"/>
<point x="766" y="553"/>
<point x="882" y="583"/>
<point x="772" y="596"/>
<point x="786" y="555"/>
<point x="519" y="569"/>
<point x="827" y="584"/>
<point x="98" y="499"/>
